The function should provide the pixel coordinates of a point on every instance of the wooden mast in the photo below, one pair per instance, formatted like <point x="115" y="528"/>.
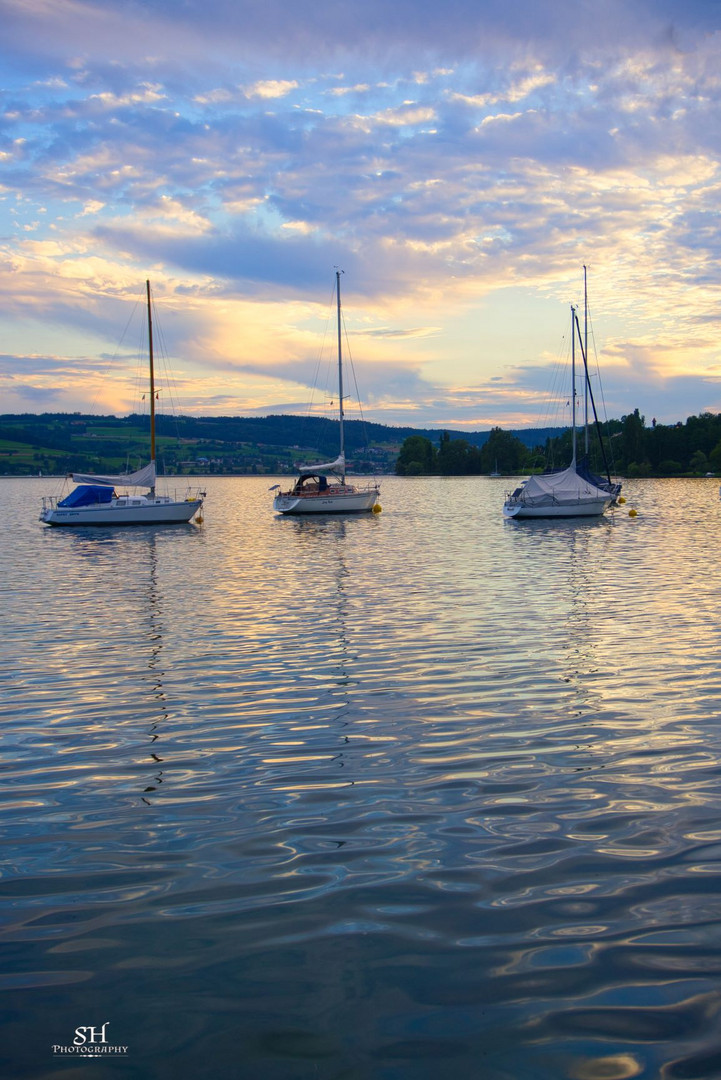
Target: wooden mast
<point x="585" y="361"/>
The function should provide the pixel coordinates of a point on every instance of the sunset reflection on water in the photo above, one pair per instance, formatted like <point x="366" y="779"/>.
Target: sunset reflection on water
<point x="382" y="795"/>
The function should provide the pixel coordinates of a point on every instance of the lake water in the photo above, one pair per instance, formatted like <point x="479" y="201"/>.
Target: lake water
<point x="386" y="797"/>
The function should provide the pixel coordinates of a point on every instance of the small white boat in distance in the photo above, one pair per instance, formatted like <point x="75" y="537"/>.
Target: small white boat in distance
<point x="95" y="502"/>
<point x="313" y="491"/>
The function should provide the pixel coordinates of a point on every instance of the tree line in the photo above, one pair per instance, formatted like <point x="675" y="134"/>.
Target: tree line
<point x="631" y="447"/>
<point x="66" y="441"/>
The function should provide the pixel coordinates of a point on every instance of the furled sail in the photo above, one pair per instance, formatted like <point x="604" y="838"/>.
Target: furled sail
<point x="336" y="466"/>
<point x="144" y="477"/>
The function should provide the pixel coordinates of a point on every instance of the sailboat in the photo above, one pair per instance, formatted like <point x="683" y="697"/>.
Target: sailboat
<point x="95" y="502"/>
<point x="323" y="489"/>
<point x="574" y="491"/>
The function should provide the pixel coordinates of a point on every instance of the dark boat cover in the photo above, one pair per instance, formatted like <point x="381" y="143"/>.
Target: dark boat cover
<point x="87" y="495"/>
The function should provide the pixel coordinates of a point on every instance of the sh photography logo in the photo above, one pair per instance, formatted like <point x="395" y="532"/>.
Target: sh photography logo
<point x="90" y="1041"/>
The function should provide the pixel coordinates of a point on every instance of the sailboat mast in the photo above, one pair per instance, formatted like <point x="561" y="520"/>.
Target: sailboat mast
<point x="585" y="356"/>
<point x="573" y="384"/>
<point x="152" y="380"/>
<point x="589" y="391"/>
<point x="340" y="373"/>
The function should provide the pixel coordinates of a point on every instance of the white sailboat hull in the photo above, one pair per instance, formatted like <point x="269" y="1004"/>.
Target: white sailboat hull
<point x="581" y="508"/>
<point x="131" y="511"/>
<point x="344" y="502"/>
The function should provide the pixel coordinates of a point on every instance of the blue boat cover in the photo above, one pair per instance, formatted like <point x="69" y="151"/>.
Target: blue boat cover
<point x="583" y="469"/>
<point x="87" y="495"/>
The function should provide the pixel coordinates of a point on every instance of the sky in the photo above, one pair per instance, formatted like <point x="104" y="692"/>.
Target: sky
<point x="460" y="163"/>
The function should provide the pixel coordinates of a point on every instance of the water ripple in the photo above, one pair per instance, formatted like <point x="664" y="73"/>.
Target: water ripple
<point x="386" y="792"/>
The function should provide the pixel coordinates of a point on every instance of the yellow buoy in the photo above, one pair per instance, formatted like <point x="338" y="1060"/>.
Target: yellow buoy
<point x="377" y="508"/>
<point x="633" y="513"/>
<point x="621" y="500"/>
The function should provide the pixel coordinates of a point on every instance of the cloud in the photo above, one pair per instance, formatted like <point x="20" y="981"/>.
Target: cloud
<point x="272" y="88"/>
<point x="305" y="32"/>
<point x="460" y="165"/>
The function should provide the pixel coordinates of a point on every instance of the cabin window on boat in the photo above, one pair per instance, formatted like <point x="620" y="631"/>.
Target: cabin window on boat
<point x="307" y="484"/>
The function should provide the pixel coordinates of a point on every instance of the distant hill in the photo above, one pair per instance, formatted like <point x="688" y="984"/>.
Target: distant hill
<point x="63" y="442"/>
<point x="322" y="433"/>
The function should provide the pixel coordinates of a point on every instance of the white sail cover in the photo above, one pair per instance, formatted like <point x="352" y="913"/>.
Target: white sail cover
<point x="336" y="466"/>
<point x="559" y="489"/>
<point x="144" y="477"/>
